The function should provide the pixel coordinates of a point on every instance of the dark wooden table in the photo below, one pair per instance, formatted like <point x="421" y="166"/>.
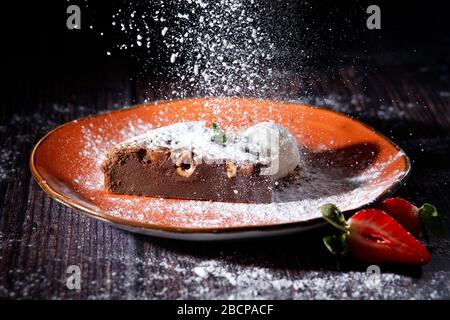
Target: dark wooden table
<point x="405" y="97"/>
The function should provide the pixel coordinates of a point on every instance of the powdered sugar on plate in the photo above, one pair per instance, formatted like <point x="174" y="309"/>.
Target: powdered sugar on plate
<point x="205" y="143"/>
<point x="296" y="197"/>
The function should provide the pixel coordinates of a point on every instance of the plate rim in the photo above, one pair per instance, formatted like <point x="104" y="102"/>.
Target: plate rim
<point x="103" y="216"/>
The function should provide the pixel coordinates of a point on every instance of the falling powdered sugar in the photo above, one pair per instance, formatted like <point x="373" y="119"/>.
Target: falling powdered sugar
<point x="214" y="47"/>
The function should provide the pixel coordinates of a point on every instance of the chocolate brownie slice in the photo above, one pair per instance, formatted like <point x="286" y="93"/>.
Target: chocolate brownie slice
<point x="189" y="160"/>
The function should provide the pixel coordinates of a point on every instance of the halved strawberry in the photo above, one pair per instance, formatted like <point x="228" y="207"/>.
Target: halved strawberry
<point x="373" y="236"/>
<point x="412" y="218"/>
<point x="376" y="237"/>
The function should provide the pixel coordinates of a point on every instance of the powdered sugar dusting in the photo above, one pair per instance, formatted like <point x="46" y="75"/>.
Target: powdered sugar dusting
<point x="195" y="136"/>
<point x="297" y="197"/>
<point x="295" y="202"/>
<point x="94" y="143"/>
<point x="257" y="282"/>
<point x="216" y="47"/>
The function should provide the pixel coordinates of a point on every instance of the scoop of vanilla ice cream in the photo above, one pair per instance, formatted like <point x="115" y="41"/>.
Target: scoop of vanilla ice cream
<point x="275" y="142"/>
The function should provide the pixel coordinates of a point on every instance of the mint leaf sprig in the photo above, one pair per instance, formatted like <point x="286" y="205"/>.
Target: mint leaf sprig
<point x="219" y="135"/>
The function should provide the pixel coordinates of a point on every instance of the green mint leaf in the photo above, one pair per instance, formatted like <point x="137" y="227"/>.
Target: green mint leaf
<point x="431" y="220"/>
<point x="219" y="136"/>
<point x="333" y="215"/>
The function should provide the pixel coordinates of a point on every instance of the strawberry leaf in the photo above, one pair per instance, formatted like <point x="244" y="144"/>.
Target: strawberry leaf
<point x="432" y="222"/>
<point x="333" y="215"/>
<point x="336" y="244"/>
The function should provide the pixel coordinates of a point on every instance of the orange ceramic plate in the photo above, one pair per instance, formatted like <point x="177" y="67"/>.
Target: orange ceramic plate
<point x="344" y="162"/>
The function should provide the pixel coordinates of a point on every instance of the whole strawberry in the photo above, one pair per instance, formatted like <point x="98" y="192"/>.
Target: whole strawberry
<point x="412" y="218"/>
<point x="373" y="236"/>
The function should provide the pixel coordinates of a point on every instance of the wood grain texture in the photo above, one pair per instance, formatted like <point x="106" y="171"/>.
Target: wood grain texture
<point x="39" y="238"/>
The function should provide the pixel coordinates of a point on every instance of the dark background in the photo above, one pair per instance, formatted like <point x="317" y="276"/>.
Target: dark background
<point x="395" y="79"/>
<point x="36" y="31"/>
<point x="37" y="46"/>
